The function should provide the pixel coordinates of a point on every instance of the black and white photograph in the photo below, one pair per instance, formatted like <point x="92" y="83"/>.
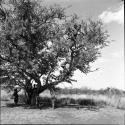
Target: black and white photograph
<point x="62" y="62"/>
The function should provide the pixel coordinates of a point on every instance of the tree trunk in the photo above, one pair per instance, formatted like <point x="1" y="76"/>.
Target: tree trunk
<point x="34" y="100"/>
<point x="28" y="97"/>
<point x="31" y="99"/>
<point x="34" y="97"/>
<point x="52" y="92"/>
<point x="53" y="103"/>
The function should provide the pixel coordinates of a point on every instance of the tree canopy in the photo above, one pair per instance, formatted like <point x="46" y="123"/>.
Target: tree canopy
<point x="37" y="43"/>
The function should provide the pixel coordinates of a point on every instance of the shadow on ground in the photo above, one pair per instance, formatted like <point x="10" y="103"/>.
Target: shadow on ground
<point x="43" y="107"/>
<point x="25" y="106"/>
<point x="12" y="105"/>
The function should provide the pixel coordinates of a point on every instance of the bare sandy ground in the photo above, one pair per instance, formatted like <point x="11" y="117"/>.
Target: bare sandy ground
<point x="22" y="115"/>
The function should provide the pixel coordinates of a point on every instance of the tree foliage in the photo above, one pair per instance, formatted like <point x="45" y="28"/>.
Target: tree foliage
<point x="39" y="42"/>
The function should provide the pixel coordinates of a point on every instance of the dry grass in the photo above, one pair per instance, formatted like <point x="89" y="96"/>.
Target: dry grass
<point x="21" y="115"/>
<point x="117" y="101"/>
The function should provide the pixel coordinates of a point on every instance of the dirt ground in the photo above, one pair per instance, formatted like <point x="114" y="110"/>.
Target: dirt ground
<point x="23" y="115"/>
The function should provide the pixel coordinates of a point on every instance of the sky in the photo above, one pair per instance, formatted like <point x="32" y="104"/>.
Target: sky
<point x="111" y="63"/>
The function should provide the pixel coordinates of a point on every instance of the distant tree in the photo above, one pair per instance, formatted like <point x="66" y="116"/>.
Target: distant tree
<point x="37" y="43"/>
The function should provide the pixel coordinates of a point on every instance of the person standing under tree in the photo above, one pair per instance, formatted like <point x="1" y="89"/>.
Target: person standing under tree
<point x="15" y="95"/>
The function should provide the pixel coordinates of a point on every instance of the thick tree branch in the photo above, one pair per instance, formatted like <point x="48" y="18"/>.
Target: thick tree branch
<point x="2" y="58"/>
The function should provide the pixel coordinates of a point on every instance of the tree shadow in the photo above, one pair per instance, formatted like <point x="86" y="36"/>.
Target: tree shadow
<point x="26" y="106"/>
<point x="12" y="105"/>
<point x="79" y="107"/>
<point x="48" y="106"/>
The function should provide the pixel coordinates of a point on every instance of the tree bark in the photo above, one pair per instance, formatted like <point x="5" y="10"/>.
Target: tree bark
<point x="53" y="103"/>
<point x="34" y="99"/>
<point x="31" y="98"/>
<point x="52" y="92"/>
<point x="33" y="93"/>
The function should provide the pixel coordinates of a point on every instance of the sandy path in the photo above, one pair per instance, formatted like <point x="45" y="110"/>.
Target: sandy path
<point x="20" y="115"/>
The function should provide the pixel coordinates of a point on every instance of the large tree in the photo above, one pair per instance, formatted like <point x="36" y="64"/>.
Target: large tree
<point x="37" y="43"/>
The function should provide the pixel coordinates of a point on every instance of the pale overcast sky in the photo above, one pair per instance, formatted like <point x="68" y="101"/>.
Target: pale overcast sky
<point x="111" y="64"/>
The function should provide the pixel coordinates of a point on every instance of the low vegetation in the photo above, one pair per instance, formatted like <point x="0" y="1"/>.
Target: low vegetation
<point x="83" y="97"/>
